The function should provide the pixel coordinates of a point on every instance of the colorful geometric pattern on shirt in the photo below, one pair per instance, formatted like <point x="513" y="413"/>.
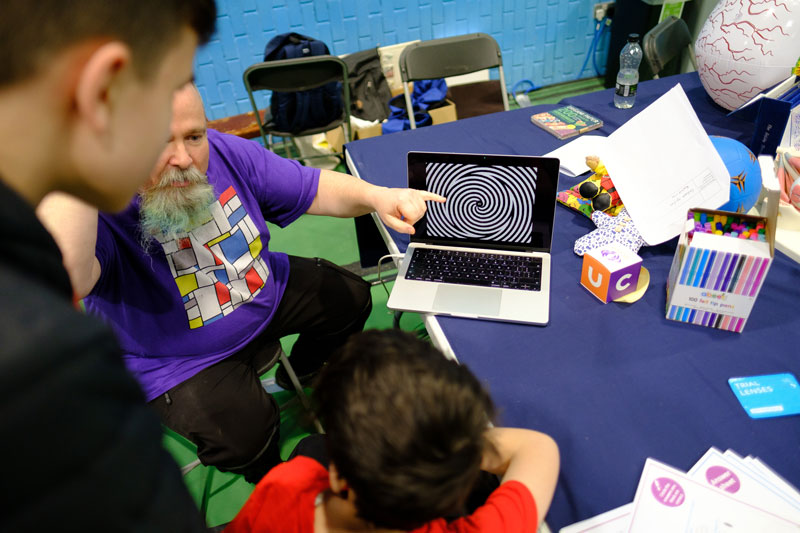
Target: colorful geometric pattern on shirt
<point x="218" y="266"/>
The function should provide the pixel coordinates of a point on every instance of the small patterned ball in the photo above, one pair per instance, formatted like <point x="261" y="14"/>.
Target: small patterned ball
<point x="744" y="171"/>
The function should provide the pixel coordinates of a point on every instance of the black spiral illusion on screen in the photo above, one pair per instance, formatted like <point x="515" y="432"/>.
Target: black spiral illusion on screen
<point x="483" y="202"/>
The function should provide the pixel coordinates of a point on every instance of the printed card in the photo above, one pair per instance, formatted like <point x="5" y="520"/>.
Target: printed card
<point x="729" y="475"/>
<point x="769" y="395"/>
<point x="721" y="492"/>
<point x="668" y="500"/>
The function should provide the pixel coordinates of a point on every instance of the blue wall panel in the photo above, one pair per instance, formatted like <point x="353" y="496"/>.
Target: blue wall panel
<point x="545" y="41"/>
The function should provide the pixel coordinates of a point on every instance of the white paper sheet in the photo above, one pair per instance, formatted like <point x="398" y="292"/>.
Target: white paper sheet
<point x="613" y="521"/>
<point x="572" y="155"/>
<point x="662" y="164"/>
<point x="775" y="92"/>
<point x="765" y="473"/>
<point x="758" y="468"/>
<point x="791" y="135"/>
<point x="776" y="479"/>
<point x="730" y="475"/>
<point x="668" y="500"/>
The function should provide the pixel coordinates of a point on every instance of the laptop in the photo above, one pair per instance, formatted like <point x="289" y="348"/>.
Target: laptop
<point x="485" y="252"/>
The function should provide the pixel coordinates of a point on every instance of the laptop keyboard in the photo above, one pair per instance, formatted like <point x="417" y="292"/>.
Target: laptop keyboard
<point x="476" y="268"/>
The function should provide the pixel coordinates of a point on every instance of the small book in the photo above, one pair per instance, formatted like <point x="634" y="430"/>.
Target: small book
<point x="565" y="122"/>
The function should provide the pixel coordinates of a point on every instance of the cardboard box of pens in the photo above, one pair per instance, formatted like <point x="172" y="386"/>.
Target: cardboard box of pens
<point x="719" y="268"/>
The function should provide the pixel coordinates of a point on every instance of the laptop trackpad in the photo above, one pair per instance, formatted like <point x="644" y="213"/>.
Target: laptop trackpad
<point x="467" y="300"/>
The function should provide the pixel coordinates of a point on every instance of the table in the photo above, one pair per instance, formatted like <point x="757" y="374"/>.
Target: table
<point x="244" y="125"/>
<point x="616" y="383"/>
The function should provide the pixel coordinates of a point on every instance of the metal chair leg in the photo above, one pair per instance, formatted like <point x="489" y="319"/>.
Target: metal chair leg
<point x="190" y="466"/>
<point x="301" y="394"/>
<point x="296" y="148"/>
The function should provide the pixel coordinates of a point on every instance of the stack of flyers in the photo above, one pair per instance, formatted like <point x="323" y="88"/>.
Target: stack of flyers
<point x="721" y="492"/>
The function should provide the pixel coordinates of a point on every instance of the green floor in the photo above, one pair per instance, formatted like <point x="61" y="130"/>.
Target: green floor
<point x="222" y="494"/>
<point x="553" y="94"/>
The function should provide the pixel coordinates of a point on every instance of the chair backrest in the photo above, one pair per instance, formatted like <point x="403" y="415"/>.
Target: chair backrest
<point x="294" y="75"/>
<point x="450" y="56"/>
<point x="665" y="41"/>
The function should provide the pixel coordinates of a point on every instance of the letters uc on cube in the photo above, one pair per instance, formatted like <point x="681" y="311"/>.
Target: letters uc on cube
<point x="610" y="271"/>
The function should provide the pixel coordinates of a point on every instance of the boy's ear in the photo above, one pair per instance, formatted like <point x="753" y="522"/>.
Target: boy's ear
<point x="338" y="483"/>
<point x="98" y="79"/>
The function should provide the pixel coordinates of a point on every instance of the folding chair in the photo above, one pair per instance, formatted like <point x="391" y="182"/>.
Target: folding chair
<point x="270" y="357"/>
<point x="665" y="41"/>
<point x="450" y="56"/>
<point x="294" y="75"/>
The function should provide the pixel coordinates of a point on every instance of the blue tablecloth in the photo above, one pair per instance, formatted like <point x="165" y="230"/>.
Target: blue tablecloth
<point x="615" y="383"/>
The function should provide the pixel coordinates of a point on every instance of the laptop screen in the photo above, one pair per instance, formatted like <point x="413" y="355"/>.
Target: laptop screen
<point x="498" y="201"/>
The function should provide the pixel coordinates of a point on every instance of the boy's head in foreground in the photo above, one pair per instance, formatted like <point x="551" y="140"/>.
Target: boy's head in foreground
<point x="97" y="78"/>
<point x="405" y="428"/>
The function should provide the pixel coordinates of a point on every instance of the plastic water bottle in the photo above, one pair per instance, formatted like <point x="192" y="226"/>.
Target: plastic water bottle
<point x="628" y="77"/>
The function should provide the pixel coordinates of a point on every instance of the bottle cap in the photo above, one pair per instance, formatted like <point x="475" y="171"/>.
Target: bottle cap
<point x="633" y="38"/>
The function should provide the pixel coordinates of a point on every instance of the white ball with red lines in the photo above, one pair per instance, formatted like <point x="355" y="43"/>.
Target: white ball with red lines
<point x="746" y="47"/>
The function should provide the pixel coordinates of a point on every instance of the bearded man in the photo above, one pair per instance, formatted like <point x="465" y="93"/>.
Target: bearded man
<point x="185" y="278"/>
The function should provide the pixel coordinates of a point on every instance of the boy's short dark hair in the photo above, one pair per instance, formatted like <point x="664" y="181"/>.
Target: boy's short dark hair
<point x="405" y="427"/>
<point x="32" y="31"/>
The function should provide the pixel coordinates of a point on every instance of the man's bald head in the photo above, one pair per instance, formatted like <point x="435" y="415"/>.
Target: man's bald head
<point x="176" y="198"/>
<point x="187" y="144"/>
<point x="187" y="104"/>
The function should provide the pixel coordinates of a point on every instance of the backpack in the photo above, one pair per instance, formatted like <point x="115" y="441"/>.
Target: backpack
<point x="428" y="94"/>
<point x="369" y="92"/>
<point x="302" y="110"/>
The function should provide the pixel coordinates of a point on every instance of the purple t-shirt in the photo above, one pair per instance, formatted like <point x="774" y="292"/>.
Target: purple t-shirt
<point x="202" y="297"/>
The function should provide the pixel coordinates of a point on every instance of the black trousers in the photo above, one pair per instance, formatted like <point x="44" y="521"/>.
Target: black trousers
<point x="224" y="409"/>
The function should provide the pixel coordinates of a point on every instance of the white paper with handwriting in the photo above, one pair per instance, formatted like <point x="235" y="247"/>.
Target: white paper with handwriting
<point x="663" y="163"/>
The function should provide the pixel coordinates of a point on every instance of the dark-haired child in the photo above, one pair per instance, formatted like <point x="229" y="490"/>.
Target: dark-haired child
<point x="407" y="437"/>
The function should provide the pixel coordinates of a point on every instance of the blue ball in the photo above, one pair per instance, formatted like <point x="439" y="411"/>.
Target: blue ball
<point x="744" y="171"/>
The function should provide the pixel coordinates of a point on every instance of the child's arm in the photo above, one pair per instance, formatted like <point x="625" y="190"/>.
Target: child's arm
<point x="526" y="456"/>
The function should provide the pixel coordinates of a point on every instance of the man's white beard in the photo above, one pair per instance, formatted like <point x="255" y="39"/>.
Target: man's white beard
<point x="166" y="211"/>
